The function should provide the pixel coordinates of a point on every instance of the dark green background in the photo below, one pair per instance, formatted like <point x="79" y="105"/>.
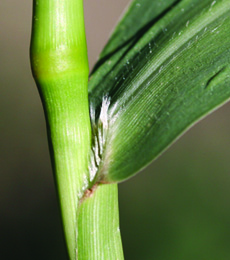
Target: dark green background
<point x="176" y="209"/>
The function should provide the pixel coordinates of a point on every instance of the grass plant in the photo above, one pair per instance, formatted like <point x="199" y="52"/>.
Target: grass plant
<point x="165" y="67"/>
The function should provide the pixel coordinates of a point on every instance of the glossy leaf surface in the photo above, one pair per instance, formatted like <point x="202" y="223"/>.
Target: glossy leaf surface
<point x="164" y="68"/>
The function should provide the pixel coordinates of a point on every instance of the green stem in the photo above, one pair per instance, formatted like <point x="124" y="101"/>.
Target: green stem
<point x="60" y="68"/>
<point x="98" y="225"/>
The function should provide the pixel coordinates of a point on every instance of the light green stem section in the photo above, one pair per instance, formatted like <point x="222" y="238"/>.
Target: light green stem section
<point x="98" y="225"/>
<point x="60" y="68"/>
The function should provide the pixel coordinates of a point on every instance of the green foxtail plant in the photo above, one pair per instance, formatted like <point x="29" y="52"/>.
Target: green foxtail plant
<point x="165" y="66"/>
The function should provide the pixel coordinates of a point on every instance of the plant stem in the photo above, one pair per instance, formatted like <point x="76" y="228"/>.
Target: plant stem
<point x="60" y="68"/>
<point x="98" y="225"/>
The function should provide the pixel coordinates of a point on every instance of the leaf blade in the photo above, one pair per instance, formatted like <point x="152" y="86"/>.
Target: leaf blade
<point x="171" y="80"/>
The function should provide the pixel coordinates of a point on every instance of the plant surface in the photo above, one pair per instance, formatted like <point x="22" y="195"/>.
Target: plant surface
<point x="165" y="67"/>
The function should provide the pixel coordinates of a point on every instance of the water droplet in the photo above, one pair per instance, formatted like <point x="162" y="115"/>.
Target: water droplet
<point x="150" y="48"/>
<point x="138" y="4"/>
<point x="187" y="24"/>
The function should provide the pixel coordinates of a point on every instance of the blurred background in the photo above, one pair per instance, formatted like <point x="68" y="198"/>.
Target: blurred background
<point x="176" y="209"/>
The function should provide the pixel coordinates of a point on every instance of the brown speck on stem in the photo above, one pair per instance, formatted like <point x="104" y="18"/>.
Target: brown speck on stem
<point x="89" y="192"/>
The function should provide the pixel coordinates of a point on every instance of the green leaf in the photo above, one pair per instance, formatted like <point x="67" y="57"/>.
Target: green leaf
<point x="164" y="68"/>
